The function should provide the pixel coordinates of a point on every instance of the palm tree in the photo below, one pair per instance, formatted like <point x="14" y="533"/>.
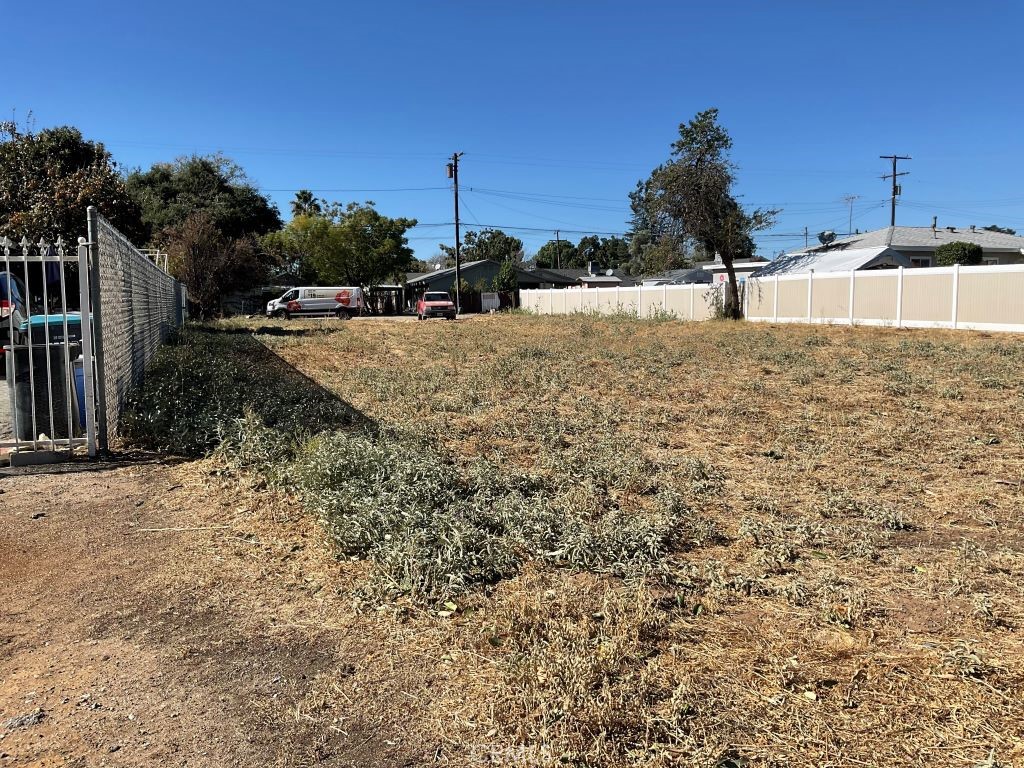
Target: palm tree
<point x="305" y="204"/>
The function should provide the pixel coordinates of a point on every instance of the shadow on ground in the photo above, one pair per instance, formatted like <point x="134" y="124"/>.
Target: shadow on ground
<point x="201" y="388"/>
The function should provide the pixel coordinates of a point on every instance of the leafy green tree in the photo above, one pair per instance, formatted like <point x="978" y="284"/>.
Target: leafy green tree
<point x="958" y="252"/>
<point x="608" y="252"/>
<point x="305" y="204"/>
<point x="556" y="254"/>
<point x="489" y="244"/>
<point x="169" y="193"/>
<point x="691" y="197"/>
<point x="506" y="280"/>
<point x="346" y="245"/>
<point x="49" y="178"/>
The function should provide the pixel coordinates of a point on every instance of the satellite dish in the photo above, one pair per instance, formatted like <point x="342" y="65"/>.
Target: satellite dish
<point x="826" y="237"/>
<point x="609" y="272"/>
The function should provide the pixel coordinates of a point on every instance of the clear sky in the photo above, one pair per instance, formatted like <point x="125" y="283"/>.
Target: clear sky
<point x="566" y="104"/>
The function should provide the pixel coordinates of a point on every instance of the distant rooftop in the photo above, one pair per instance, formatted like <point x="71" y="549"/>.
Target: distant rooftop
<point x="922" y="239"/>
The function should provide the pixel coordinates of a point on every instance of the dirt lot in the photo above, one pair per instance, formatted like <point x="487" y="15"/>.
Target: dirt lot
<point x="843" y="587"/>
<point x="156" y="614"/>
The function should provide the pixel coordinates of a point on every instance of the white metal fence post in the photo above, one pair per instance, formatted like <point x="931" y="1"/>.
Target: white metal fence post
<point x="899" y="297"/>
<point x="88" y="360"/>
<point x="775" y="301"/>
<point x="693" y="287"/>
<point x="956" y="295"/>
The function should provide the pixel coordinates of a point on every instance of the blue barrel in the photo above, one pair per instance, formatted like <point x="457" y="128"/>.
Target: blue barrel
<point x="79" y="368"/>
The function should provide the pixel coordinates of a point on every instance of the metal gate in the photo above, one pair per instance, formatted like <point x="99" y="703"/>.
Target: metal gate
<point x="77" y="330"/>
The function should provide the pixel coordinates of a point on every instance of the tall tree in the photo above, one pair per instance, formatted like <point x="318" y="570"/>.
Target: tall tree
<point x="693" y="193"/>
<point x="48" y="179"/>
<point x="305" y="204"/>
<point x="608" y="252"/>
<point x="556" y="254"/>
<point x="169" y="193"/>
<point x="345" y="245"/>
<point x="489" y="244"/>
<point x="210" y="263"/>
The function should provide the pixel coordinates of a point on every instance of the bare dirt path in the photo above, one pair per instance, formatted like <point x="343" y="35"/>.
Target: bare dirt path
<point x="151" y="616"/>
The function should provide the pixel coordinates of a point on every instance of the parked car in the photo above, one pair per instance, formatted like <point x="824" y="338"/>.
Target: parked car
<point x="435" y="304"/>
<point x="12" y="308"/>
<point x="340" y="301"/>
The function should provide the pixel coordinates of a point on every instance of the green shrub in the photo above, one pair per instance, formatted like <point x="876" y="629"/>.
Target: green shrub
<point x="958" y="252"/>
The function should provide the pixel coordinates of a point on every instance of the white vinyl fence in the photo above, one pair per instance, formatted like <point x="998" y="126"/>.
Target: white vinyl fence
<point x="987" y="298"/>
<point x="685" y="302"/>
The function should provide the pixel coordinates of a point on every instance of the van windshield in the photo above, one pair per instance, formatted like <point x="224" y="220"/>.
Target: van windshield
<point x="290" y="296"/>
<point x="436" y="297"/>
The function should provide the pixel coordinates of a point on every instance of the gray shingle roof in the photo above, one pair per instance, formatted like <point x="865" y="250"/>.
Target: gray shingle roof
<point x="923" y="238"/>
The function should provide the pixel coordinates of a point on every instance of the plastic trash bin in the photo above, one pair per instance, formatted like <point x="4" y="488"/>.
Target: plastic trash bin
<point x="33" y="390"/>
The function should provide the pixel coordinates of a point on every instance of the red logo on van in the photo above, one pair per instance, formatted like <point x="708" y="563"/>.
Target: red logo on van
<point x="343" y="297"/>
<point x="294" y="306"/>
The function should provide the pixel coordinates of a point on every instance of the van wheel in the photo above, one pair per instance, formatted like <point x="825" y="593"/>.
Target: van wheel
<point x="341" y="314"/>
<point x="278" y="313"/>
<point x="287" y="315"/>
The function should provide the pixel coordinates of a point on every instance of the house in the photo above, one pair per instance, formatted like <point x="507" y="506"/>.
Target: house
<point x="480" y="276"/>
<point x="844" y="260"/>
<point x="743" y="268"/>
<point x="918" y="244"/>
<point x="681" y="277"/>
<point x="591" y="277"/>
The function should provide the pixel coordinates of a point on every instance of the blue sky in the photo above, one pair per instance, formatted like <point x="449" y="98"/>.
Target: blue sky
<point x="567" y="101"/>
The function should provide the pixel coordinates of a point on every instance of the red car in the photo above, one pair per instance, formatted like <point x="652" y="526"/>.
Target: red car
<point x="435" y="304"/>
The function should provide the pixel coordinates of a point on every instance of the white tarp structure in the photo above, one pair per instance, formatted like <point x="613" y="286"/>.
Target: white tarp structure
<point x="844" y="260"/>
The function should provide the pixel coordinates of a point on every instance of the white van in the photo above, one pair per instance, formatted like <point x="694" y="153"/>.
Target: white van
<point x="340" y="301"/>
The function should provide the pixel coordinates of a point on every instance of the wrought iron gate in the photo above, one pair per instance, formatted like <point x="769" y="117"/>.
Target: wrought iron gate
<point x="77" y="331"/>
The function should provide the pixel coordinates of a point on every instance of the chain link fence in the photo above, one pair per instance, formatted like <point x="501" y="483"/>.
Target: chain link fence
<point x="136" y="306"/>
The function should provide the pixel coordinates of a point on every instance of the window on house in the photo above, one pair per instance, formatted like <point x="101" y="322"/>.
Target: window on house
<point x="990" y="261"/>
<point x="920" y="261"/>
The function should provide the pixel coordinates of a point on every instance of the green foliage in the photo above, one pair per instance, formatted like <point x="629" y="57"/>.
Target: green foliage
<point x="432" y="527"/>
<point x="201" y="388"/>
<point x="506" y="280"/>
<point x="169" y="193"/>
<point x="958" y="252"/>
<point x="48" y="179"/>
<point x="350" y="245"/>
<point x="488" y="244"/>
<point x="305" y="204"/>
<point x="556" y="254"/>
<point x="690" y="197"/>
<point x="608" y="252"/>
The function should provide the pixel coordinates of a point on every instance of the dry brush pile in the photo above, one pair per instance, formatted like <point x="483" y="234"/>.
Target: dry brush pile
<point x="677" y="544"/>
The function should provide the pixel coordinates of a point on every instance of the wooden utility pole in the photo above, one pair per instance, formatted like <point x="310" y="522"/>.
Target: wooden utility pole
<point x="849" y="200"/>
<point x="453" y="174"/>
<point x="558" y="251"/>
<point x="895" y="187"/>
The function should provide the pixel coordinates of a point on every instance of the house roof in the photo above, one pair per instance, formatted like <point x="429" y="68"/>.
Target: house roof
<point x="600" y="279"/>
<point x="430" y="277"/>
<point x="844" y="260"/>
<point x="924" y="239"/>
<point x="682" y="277"/>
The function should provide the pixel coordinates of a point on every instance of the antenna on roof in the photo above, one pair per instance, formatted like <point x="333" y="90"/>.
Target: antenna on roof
<point x="827" y="237"/>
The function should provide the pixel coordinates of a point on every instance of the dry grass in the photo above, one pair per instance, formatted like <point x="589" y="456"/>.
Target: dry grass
<point x="844" y="589"/>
